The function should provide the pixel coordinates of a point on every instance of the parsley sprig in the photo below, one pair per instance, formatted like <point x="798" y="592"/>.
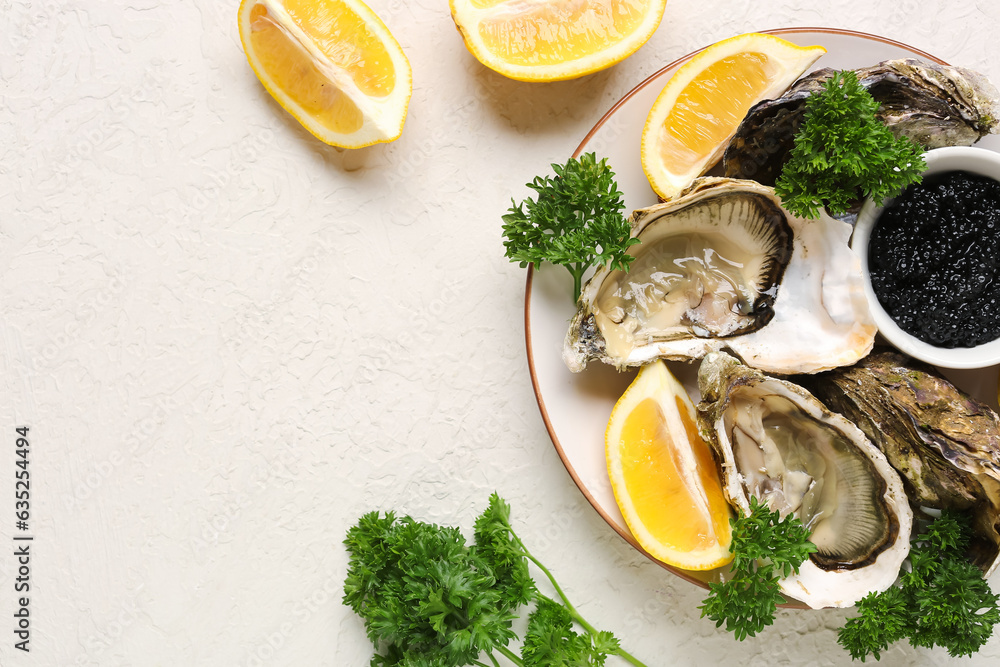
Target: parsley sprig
<point x="941" y="601"/>
<point x="765" y="548"/>
<point x="575" y="221"/>
<point x="428" y="599"/>
<point x="843" y="152"/>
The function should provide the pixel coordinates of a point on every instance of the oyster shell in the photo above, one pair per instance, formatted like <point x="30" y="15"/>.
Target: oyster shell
<point x="723" y="266"/>
<point x="764" y="139"/>
<point x="945" y="444"/>
<point x="777" y="442"/>
<point x="934" y="105"/>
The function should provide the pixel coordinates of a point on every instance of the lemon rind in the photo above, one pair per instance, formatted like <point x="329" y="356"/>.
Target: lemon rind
<point x="466" y="17"/>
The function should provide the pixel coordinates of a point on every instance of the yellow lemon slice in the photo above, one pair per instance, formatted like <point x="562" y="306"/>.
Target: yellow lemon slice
<point x="551" y="40"/>
<point x="332" y="64"/>
<point x="702" y="104"/>
<point x="664" y="476"/>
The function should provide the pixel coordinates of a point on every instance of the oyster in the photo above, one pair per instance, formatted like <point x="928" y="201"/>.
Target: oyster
<point x="778" y="443"/>
<point x="945" y="444"/>
<point x="934" y="105"/>
<point x="723" y="266"/>
<point x="764" y="139"/>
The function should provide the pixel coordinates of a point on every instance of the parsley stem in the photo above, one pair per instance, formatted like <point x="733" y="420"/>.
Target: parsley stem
<point x="510" y="655"/>
<point x="625" y="655"/>
<point x="620" y="652"/>
<point x="555" y="584"/>
<point x="577" y="272"/>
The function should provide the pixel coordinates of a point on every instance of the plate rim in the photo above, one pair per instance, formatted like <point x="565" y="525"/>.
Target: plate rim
<point x="687" y="575"/>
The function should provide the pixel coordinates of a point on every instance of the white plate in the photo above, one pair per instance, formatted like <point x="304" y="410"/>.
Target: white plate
<point x="576" y="407"/>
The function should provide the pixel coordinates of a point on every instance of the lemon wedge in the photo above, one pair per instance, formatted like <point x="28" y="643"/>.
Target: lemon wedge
<point x="664" y="476"/>
<point x="332" y="64"/>
<point x="553" y="40"/>
<point x="701" y="106"/>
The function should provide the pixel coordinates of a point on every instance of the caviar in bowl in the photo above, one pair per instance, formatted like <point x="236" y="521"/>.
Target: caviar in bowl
<point x="931" y="260"/>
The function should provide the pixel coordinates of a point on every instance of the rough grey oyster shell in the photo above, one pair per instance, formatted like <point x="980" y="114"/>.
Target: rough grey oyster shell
<point x="945" y="444"/>
<point x="777" y="442"/>
<point x="934" y="105"/>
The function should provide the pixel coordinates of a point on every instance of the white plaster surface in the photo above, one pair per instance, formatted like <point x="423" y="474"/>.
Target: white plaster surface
<point x="230" y="340"/>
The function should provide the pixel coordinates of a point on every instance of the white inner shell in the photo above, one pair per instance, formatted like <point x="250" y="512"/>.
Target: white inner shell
<point x="803" y="466"/>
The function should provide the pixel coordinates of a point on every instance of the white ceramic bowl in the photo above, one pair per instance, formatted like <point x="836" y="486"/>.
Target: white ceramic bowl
<point x="952" y="158"/>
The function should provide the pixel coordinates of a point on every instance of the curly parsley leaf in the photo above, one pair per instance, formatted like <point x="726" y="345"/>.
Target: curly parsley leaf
<point x="843" y="152"/>
<point x="746" y="604"/>
<point x="428" y="599"/>
<point x="765" y="548"/>
<point x="550" y="640"/>
<point x="883" y="621"/>
<point x="941" y="601"/>
<point x="497" y="545"/>
<point x="422" y="592"/>
<point x="575" y="221"/>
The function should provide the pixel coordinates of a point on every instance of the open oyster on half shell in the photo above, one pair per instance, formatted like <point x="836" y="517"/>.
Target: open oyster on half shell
<point x="945" y="444"/>
<point x="724" y="266"/>
<point x="778" y="443"/>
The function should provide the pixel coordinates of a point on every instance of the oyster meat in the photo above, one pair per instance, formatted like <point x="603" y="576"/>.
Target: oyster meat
<point x="724" y="266"/>
<point x="934" y="105"/>
<point x="945" y="445"/>
<point x="776" y="442"/>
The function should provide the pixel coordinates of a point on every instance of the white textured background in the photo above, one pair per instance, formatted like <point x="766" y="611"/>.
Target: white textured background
<point x="230" y="340"/>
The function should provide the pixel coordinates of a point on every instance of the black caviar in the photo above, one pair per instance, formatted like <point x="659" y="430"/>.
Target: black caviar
<point x="934" y="259"/>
